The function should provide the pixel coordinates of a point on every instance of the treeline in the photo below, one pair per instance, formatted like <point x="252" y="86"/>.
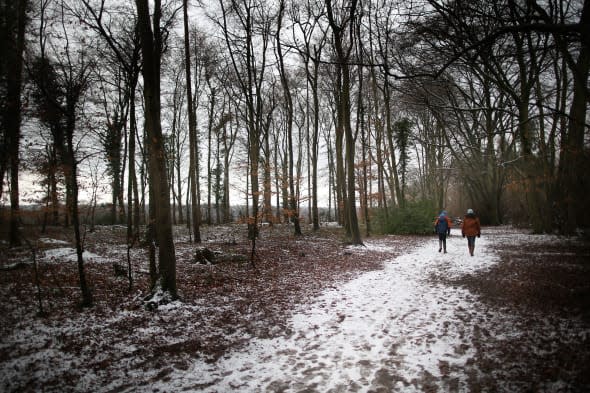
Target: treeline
<point x="380" y="103"/>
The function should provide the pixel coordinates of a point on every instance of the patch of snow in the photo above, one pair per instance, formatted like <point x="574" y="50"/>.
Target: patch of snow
<point x="68" y="254"/>
<point x="47" y="240"/>
<point x="370" y="245"/>
<point x="330" y="224"/>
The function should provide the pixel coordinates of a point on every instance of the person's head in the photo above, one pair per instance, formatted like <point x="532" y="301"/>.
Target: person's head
<point x="443" y="213"/>
<point x="470" y="211"/>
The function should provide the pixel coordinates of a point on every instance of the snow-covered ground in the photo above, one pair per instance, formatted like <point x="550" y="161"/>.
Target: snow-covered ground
<point x="390" y="330"/>
<point x="405" y="328"/>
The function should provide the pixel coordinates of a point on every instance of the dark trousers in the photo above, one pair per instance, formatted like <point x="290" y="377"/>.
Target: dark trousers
<point x="442" y="241"/>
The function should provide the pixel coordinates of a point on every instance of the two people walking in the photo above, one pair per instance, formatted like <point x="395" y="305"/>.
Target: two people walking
<point x="470" y="228"/>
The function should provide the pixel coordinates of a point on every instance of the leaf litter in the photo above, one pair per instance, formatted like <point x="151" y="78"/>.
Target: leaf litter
<point x="313" y="315"/>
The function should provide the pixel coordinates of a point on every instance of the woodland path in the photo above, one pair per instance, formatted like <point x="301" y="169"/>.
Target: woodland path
<point x="403" y="328"/>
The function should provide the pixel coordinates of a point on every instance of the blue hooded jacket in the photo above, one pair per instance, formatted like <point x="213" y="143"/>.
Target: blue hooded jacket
<point x="443" y="224"/>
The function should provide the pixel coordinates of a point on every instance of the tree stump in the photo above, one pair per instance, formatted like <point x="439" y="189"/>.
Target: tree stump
<point x="204" y="256"/>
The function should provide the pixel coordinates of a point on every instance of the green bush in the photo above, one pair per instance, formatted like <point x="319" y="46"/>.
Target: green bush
<point x="416" y="218"/>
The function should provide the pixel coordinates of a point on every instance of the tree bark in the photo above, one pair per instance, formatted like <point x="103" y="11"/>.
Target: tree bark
<point x="15" y="42"/>
<point x="574" y="187"/>
<point x="151" y="45"/>
<point x="344" y="121"/>
<point x="293" y="207"/>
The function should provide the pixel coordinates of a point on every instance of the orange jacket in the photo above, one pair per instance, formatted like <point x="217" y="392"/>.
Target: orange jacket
<point x="470" y="226"/>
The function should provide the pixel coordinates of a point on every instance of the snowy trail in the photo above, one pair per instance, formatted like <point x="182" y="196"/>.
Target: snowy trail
<point x="390" y="330"/>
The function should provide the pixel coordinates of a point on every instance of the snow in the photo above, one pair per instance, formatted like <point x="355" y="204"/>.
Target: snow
<point x="48" y="240"/>
<point x="397" y="330"/>
<point x="68" y="254"/>
<point x="383" y="330"/>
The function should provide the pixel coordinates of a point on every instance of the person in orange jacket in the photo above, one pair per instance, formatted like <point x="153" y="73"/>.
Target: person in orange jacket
<point x="442" y="226"/>
<point x="471" y="228"/>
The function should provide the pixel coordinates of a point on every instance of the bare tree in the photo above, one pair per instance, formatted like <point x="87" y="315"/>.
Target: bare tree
<point x="289" y="119"/>
<point x="192" y="127"/>
<point x="314" y="39"/>
<point x="123" y="43"/>
<point x="342" y="26"/>
<point x="573" y="188"/>
<point x="60" y="88"/>
<point x="514" y="43"/>
<point x="248" y="57"/>
<point x="12" y="44"/>
<point x="176" y="137"/>
<point x="112" y="136"/>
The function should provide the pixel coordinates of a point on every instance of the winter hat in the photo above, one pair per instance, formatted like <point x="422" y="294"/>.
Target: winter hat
<point x="443" y="213"/>
<point x="469" y="211"/>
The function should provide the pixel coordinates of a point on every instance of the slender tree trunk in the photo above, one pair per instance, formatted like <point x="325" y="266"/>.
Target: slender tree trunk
<point x="277" y="180"/>
<point x="340" y="180"/>
<point x="285" y="181"/>
<point x="315" y="149"/>
<point x="218" y="186"/>
<point x="132" y="171"/>
<point x="331" y="175"/>
<point x="132" y="203"/>
<point x="226" y="201"/>
<point x="289" y="106"/>
<point x="72" y="169"/>
<point x="178" y="165"/>
<point x="396" y="189"/>
<point x="209" y="143"/>
<point x="267" y="192"/>
<point x="52" y="179"/>
<point x="192" y="126"/>
<point x="121" y="194"/>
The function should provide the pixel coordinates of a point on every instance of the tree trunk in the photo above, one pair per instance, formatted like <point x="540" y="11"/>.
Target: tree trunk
<point x="315" y="148"/>
<point x="276" y="148"/>
<point x="226" y="201"/>
<point x="16" y="20"/>
<point x="396" y="189"/>
<point x="192" y="129"/>
<point x="132" y="172"/>
<point x="71" y="168"/>
<point x="151" y="44"/>
<point x="209" y="140"/>
<point x="344" y="122"/>
<point x="289" y="104"/>
<point x="267" y="183"/>
<point x="179" y="180"/>
<point x="574" y="186"/>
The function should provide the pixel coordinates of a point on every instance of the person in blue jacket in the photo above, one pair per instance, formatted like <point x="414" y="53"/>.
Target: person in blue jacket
<point x="442" y="226"/>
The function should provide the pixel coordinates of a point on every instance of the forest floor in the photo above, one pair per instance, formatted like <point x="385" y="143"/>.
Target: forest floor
<point x="312" y="314"/>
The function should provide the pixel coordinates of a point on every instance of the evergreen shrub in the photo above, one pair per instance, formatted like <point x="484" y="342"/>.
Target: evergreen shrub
<point x="415" y="218"/>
